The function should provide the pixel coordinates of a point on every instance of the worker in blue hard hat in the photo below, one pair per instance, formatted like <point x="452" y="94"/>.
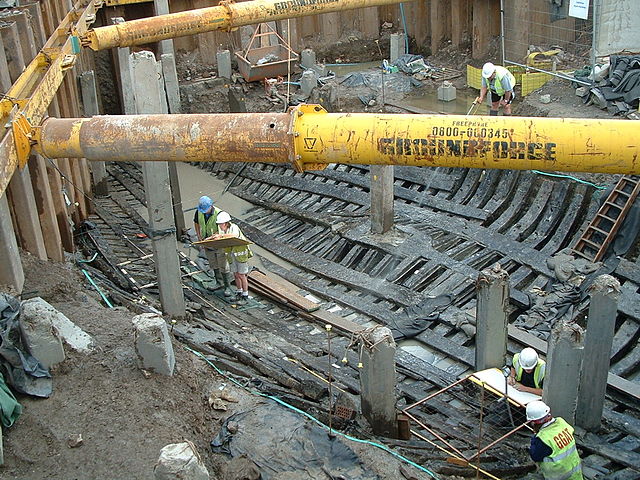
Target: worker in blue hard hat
<point x="500" y="82"/>
<point x="527" y="372"/>
<point x="553" y="446"/>
<point x="205" y="225"/>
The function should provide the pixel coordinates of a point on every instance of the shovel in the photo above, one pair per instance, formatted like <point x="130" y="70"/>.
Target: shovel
<point x="473" y="105"/>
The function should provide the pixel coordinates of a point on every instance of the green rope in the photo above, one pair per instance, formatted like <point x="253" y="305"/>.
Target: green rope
<point x="310" y="417"/>
<point x="599" y="187"/>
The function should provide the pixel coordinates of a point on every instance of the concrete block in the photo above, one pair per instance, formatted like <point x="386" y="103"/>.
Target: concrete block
<point x="582" y="91"/>
<point x="308" y="82"/>
<point x="307" y="58"/>
<point x="320" y="70"/>
<point x="153" y="344"/>
<point x="446" y="92"/>
<point x="545" y="98"/>
<point x="223" y="58"/>
<point x="41" y="338"/>
<point x="178" y="461"/>
<point x="396" y="47"/>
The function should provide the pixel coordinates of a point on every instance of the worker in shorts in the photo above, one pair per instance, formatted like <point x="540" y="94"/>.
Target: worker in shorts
<point x="500" y="82"/>
<point x="238" y="256"/>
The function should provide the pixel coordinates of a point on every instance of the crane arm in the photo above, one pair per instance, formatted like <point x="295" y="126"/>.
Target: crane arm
<point x="310" y="138"/>
<point x="226" y="16"/>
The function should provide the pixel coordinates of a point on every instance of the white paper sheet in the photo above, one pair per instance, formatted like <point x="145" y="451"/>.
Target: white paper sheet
<point x="494" y="378"/>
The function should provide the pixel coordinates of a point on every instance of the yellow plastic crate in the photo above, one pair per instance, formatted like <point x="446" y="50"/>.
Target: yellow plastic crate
<point x="474" y="77"/>
<point x="533" y="81"/>
<point x="528" y="81"/>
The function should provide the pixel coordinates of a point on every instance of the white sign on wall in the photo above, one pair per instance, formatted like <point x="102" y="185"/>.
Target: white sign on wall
<point x="579" y="9"/>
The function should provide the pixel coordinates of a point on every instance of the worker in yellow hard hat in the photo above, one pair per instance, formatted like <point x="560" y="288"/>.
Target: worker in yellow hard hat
<point x="500" y="82"/>
<point x="553" y="447"/>
<point x="527" y="372"/>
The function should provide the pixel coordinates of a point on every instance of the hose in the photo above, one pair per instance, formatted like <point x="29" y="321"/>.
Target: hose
<point x="106" y="300"/>
<point x="313" y="419"/>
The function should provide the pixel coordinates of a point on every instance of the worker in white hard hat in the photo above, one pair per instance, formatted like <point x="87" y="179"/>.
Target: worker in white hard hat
<point x="500" y="82"/>
<point x="237" y="256"/>
<point x="204" y="222"/>
<point x="553" y="447"/>
<point x="527" y="372"/>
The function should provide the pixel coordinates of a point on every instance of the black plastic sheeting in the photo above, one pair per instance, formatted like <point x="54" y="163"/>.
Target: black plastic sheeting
<point x="417" y="318"/>
<point x="21" y="370"/>
<point x="279" y="440"/>
<point x="620" y="90"/>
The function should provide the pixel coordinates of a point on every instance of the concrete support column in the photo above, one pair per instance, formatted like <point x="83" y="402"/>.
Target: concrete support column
<point x="223" y="57"/>
<point x="562" y="377"/>
<point x="161" y="7"/>
<point x="11" y="272"/>
<point x="124" y="77"/>
<point x="378" y="382"/>
<point x="381" y="189"/>
<point x="601" y="323"/>
<point x="91" y="108"/>
<point x="491" y="318"/>
<point x="158" y="192"/>
<point x="307" y="58"/>
<point x="308" y="82"/>
<point x="172" y="89"/>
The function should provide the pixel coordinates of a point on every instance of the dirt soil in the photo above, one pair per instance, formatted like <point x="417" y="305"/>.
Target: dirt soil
<point x="124" y="414"/>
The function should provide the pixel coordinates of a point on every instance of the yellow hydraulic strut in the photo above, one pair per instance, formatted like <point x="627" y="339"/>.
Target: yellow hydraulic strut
<point x="226" y="16"/>
<point x="310" y="138"/>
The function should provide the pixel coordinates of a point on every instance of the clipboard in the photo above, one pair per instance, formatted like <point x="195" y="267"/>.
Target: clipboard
<point x="224" y="241"/>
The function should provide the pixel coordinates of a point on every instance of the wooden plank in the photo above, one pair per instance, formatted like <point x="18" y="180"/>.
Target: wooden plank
<point x="283" y="289"/>
<point x="335" y="321"/>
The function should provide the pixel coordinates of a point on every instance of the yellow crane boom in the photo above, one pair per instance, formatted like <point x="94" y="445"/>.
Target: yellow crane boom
<point x="226" y="16"/>
<point x="310" y="138"/>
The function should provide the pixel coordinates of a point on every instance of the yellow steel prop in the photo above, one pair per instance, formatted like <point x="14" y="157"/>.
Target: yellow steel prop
<point x="310" y="138"/>
<point x="225" y="16"/>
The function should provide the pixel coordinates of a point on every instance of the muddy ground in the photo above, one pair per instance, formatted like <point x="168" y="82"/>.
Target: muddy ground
<point x="124" y="416"/>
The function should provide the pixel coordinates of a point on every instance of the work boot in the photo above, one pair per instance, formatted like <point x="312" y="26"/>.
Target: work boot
<point x="218" y="276"/>
<point x="228" y="291"/>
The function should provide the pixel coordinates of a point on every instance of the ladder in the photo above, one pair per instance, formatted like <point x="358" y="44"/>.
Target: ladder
<point x="601" y="231"/>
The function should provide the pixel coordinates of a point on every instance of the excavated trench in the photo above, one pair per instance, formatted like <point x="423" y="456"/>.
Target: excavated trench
<point x="313" y="231"/>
